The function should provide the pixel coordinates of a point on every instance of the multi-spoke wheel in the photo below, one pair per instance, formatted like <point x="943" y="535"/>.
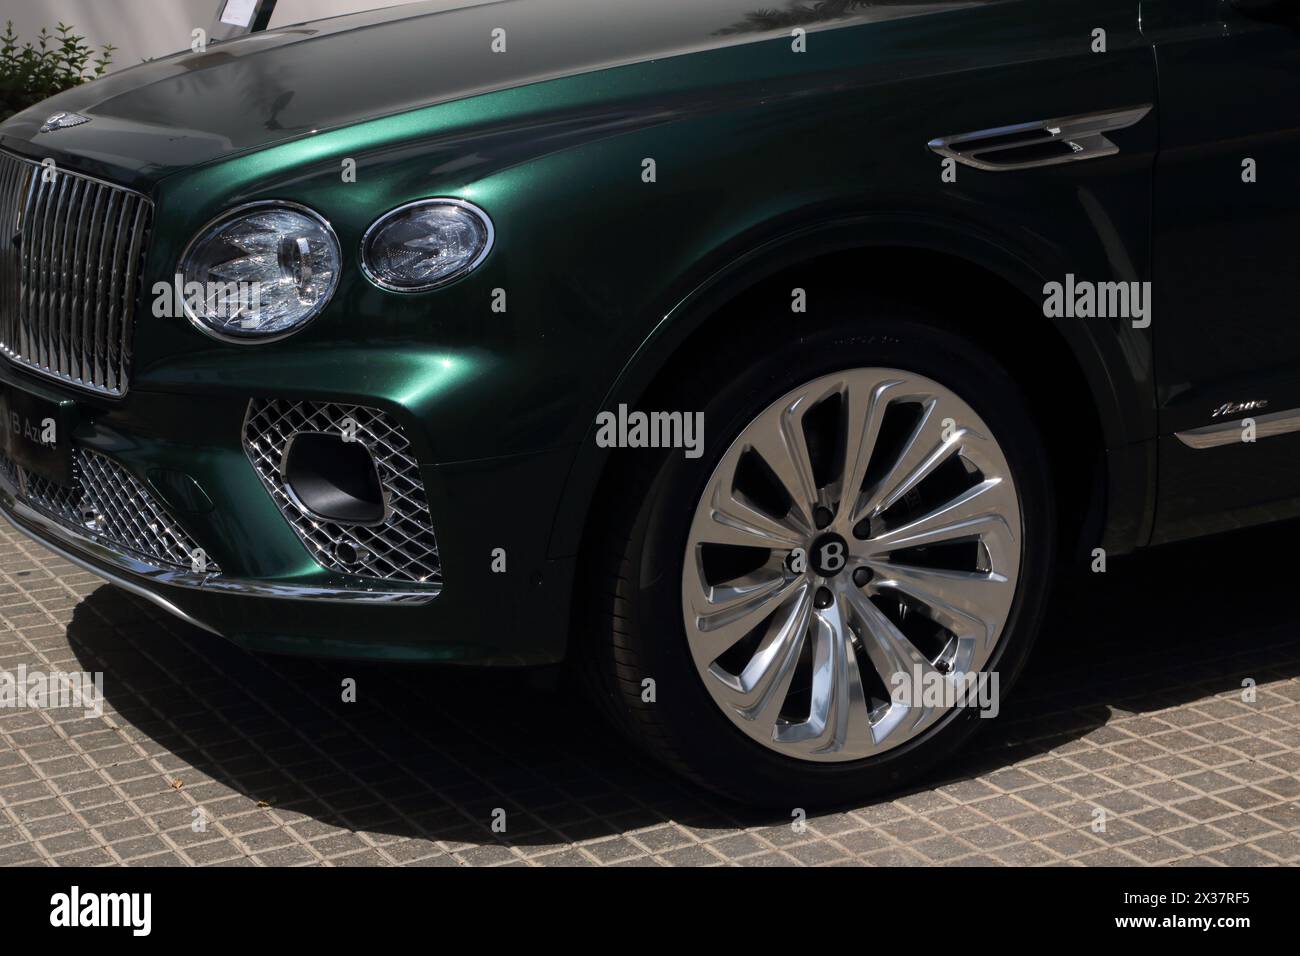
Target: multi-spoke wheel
<point x="808" y="611"/>
<point x="857" y="543"/>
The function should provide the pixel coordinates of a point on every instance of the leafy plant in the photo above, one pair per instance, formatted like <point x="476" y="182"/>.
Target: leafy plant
<point x="55" y="62"/>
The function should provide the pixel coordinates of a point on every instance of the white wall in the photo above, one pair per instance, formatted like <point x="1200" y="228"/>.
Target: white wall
<point x="143" y="29"/>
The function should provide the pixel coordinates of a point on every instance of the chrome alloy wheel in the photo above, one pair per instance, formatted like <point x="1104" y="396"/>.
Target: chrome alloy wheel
<point x="864" y="530"/>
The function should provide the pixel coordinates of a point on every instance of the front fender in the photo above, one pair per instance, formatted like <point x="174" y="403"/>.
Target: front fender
<point x="1113" y="358"/>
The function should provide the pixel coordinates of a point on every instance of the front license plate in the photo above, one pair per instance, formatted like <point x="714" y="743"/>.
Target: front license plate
<point x="37" y="433"/>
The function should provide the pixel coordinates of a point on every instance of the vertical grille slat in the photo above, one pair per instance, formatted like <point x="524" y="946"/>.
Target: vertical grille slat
<point x="114" y="289"/>
<point x="50" y="320"/>
<point x="50" y="272"/>
<point x="101" y="286"/>
<point x="42" y="216"/>
<point x="85" y="367"/>
<point x="76" y="276"/>
<point x="69" y="288"/>
<point x="27" y="291"/>
<point x="77" y="293"/>
<point x="11" y="206"/>
<point x="131" y="296"/>
<point x="60" y="354"/>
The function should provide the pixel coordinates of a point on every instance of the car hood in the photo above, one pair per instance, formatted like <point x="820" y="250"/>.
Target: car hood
<point x="253" y="92"/>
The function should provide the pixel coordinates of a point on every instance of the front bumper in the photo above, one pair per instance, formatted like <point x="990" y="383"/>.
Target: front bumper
<point x="152" y="582"/>
<point x="271" y="593"/>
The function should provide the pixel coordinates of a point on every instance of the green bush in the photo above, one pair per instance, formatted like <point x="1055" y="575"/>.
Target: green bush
<point x="56" y="62"/>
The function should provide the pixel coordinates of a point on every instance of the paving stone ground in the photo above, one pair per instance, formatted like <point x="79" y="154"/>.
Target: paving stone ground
<point x="1131" y="711"/>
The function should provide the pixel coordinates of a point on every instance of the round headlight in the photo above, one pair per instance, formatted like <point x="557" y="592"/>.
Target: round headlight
<point x="260" y="272"/>
<point x="425" y="244"/>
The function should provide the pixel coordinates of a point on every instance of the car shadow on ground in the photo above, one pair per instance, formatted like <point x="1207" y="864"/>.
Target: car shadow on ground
<point x="433" y="753"/>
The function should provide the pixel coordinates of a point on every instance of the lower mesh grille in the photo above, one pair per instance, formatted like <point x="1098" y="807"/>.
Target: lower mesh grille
<point x="401" y="548"/>
<point x="107" y="504"/>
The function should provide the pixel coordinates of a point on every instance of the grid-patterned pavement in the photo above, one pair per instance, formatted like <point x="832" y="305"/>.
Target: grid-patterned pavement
<point x="1131" y="714"/>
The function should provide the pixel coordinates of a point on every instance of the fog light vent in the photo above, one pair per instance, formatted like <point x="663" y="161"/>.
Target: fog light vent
<point x="345" y="479"/>
<point x="333" y="478"/>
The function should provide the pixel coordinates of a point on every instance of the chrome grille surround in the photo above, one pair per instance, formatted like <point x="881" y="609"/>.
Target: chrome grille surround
<point x="69" y="287"/>
<point x="107" y="504"/>
<point x="401" y="548"/>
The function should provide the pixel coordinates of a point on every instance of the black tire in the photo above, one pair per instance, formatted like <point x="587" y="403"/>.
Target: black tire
<point x="638" y="542"/>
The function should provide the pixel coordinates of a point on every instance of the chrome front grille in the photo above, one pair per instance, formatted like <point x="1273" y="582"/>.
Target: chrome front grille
<point x="107" y="504"/>
<point x="70" y="280"/>
<point x="403" y="547"/>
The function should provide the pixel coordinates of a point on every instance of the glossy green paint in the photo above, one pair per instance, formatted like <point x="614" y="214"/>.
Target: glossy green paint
<point x="764" y="157"/>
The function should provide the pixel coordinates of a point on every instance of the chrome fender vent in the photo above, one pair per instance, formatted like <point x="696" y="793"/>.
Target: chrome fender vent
<point x="1041" y="143"/>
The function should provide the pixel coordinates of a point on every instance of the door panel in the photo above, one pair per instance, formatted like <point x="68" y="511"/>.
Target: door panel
<point x="1225" y="261"/>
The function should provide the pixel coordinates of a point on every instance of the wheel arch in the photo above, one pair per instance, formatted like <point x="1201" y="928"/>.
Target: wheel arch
<point x="926" y="261"/>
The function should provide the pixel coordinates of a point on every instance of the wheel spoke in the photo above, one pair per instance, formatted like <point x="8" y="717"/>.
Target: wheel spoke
<point x="968" y="603"/>
<point x="925" y="450"/>
<point x="890" y="652"/>
<point x="782" y="446"/>
<point x="762" y="687"/>
<point x="863" y="415"/>
<point x="839" y="718"/>
<point x="976" y="512"/>
<point x="724" y="614"/>
<point x="732" y="521"/>
<point x="896" y="660"/>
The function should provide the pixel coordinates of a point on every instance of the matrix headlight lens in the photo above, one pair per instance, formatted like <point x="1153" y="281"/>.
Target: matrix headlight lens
<point x="426" y="244"/>
<point x="260" y="272"/>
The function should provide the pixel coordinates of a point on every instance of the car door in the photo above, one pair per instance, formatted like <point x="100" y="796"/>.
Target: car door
<point x="1226" y="258"/>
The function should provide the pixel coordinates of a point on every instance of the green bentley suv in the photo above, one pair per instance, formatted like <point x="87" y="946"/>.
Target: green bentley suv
<point x="759" y="360"/>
